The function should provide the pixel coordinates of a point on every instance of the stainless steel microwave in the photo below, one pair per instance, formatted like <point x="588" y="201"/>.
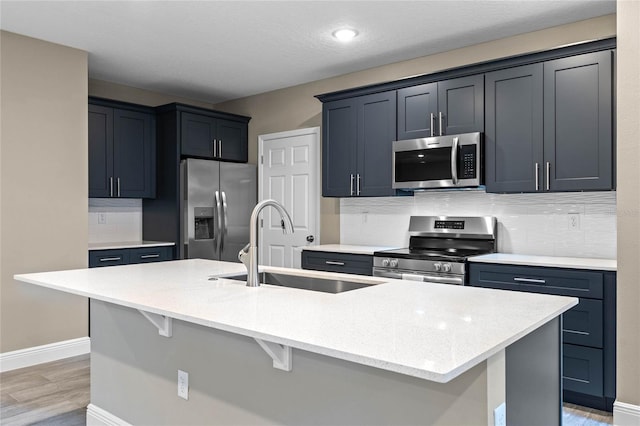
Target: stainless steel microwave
<point x="453" y="161"/>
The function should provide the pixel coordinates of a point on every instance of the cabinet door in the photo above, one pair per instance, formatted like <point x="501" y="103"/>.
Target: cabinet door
<point x="415" y="106"/>
<point x="100" y="151"/>
<point x="514" y="129"/>
<point x="134" y="154"/>
<point x="339" y="133"/>
<point x="376" y="132"/>
<point x="231" y="138"/>
<point x="461" y="101"/>
<point x="578" y="143"/>
<point x="582" y="369"/>
<point x="197" y="134"/>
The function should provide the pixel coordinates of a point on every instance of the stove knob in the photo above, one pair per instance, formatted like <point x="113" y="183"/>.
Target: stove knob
<point x="393" y="263"/>
<point x="437" y="267"/>
<point x="385" y="262"/>
<point x="446" y="267"/>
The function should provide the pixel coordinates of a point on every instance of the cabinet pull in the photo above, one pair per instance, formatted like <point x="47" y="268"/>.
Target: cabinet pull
<point x="351" y="185"/>
<point x="576" y="380"/>
<point x="149" y="256"/>
<point x="111" y="186"/>
<point x="582" y="333"/>
<point x="110" y="259"/>
<point x="548" y="173"/>
<point x="537" y="177"/>
<point x="440" y="121"/>
<point x="333" y="262"/>
<point x="220" y="148"/>
<point x="358" y="185"/>
<point x="529" y="280"/>
<point x="431" y="120"/>
<point x="215" y="146"/>
<point x="118" y="187"/>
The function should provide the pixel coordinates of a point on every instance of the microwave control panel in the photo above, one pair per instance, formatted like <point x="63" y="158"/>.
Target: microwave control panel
<point x="467" y="164"/>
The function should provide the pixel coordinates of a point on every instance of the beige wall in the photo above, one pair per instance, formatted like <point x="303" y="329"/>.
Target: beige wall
<point x="43" y="187"/>
<point x="120" y="92"/>
<point x="295" y="107"/>
<point x="628" y="145"/>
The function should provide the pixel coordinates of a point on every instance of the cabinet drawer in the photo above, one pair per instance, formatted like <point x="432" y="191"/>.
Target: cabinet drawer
<point x="100" y="258"/>
<point x="582" y="369"/>
<point x="151" y="254"/>
<point x="564" y="282"/>
<point x="361" y="264"/>
<point x="582" y="324"/>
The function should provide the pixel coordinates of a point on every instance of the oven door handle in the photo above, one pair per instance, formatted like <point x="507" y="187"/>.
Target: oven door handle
<point x="454" y="160"/>
<point x="377" y="272"/>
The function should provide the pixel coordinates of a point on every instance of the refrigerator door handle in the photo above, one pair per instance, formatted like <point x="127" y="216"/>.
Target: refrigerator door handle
<point x="219" y="220"/>
<point x="224" y="226"/>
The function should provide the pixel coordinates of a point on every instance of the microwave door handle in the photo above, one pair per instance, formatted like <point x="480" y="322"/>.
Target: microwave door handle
<point x="454" y="161"/>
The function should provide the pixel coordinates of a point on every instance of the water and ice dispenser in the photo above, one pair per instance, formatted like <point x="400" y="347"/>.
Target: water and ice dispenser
<point x="203" y="223"/>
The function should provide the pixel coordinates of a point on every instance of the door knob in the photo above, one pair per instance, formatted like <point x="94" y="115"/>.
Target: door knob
<point x="310" y="238"/>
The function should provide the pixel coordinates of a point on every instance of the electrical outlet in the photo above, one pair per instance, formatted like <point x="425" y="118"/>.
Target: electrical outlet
<point x="574" y="221"/>
<point x="102" y="218"/>
<point x="183" y="384"/>
<point x="500" y="415"/>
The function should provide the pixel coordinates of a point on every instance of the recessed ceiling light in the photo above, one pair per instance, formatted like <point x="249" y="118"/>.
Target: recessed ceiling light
<point x="345" y="34"/>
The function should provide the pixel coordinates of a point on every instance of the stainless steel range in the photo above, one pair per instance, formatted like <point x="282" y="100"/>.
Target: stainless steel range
<point x="438" y="249"/>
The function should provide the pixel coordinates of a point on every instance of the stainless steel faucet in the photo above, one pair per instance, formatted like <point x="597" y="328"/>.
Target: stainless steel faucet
<point x="249" y="254"/>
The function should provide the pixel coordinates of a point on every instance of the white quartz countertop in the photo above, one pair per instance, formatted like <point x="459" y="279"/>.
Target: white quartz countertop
<point x="548" y="261"/>
<point x="345" y="248"/>
<point x="431" y="331"/>
<point x="128" y="244"/>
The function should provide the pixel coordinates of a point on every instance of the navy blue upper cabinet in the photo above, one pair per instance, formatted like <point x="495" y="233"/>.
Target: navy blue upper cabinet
<point x="356" y="145"/>
<point x="549" y="126"/>
<point x="443" y="108"/>
<point x="578" y="135"/>
<point x="122" y="152"/>
<point x="205" y="136"/>
<point x="514" y="129"/>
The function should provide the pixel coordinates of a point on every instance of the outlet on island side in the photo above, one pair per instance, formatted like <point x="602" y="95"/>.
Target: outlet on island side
<point x="183" y="384"/>
<point x="574" y="221"/>
<point x="102" y="218"/>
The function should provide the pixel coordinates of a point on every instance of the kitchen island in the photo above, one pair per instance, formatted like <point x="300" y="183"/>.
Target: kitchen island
<point x="393" y="352"/>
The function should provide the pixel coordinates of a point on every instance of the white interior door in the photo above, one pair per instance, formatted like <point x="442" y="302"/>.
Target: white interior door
<point x="288" y="170"/>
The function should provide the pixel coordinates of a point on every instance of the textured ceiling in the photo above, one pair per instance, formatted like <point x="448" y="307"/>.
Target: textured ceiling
<point x="219" y="50"/>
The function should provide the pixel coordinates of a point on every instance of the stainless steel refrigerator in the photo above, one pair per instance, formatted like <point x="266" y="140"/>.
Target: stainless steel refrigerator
<point x="217" y="200"/>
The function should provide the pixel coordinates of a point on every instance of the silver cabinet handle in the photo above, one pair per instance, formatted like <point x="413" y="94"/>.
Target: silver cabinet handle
<point x="358" y="185"/>
<point x="149" y="256"/>
<point x="111" y="186"/>
<point x="333" y="262"/>
<point x="351" y="186"/>
<point x="431" y="120"/>
<point x="110" y="259"/>
<point x="529" y="280"/>
<point x="215" y="147"/>
<point x="118" y="187"/>
<point x="440" y="122"/>
<point x="548" y="173"/>
<point x="454" y="160"/>
<point x="582" y="333"/>
<point x="537" y="177"/>
<point x="220" y="148"/>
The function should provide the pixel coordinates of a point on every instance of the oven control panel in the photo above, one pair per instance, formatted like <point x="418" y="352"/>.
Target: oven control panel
<point x="418" y="266"/>
<point x="449" y="224"/>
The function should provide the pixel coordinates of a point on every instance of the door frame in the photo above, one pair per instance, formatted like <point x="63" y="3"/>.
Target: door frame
<point x="315" y="131"/>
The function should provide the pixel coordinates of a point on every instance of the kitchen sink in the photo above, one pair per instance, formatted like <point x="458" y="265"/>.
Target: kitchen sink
<point x="306" y="283"/>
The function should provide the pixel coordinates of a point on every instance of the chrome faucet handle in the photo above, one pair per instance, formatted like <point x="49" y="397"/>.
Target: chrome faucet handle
<point x="243" y="255"/>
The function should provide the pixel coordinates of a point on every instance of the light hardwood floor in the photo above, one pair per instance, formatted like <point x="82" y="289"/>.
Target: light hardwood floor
<point x="57" y="393"/>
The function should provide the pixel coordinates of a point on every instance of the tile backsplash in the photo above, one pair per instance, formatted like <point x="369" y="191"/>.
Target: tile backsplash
<point x="536" y="224"/>
<point x="121" y="220"/>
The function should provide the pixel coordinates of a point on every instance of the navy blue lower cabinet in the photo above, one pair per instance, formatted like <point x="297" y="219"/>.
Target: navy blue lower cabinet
<point x="588" y="329"/>
<point x="359" y="264"/>
<point x="112" y="257"/>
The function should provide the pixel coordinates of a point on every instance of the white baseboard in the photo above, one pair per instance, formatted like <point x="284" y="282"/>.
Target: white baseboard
<point x="96" y="416"/>
<point x="45" y="353"/>
<point x="626" y="414"/>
